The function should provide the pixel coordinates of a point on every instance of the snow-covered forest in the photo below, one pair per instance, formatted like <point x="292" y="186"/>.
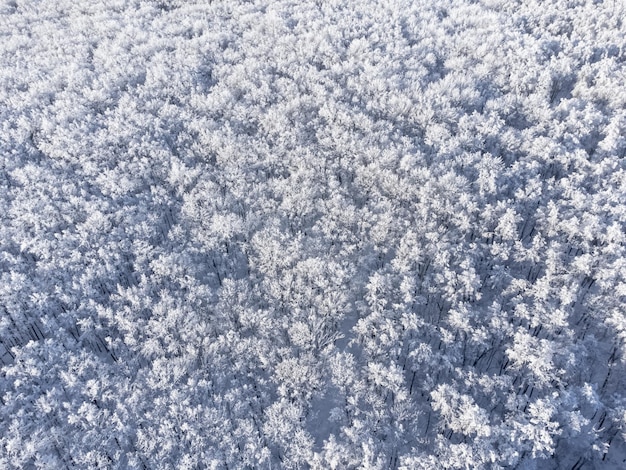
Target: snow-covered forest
<point x="325" y="234"/>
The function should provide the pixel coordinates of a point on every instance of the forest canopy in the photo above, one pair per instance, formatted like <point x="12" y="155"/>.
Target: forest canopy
<point x="298" y="234"/>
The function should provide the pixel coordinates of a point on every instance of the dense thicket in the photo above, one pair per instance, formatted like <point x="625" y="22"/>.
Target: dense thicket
<point x="313" y="234"/>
